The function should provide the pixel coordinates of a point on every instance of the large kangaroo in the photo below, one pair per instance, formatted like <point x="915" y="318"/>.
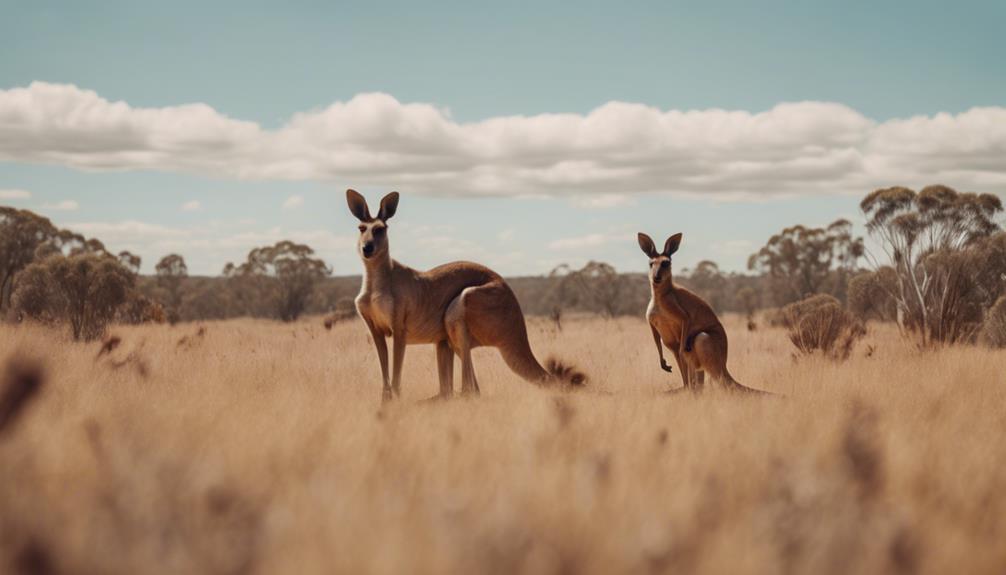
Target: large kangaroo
<point x="457" y="306"/>
<point x="685" y="323"/>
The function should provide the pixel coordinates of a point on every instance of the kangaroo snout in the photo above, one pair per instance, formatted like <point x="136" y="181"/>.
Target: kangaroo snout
<point x="368" y="249"/>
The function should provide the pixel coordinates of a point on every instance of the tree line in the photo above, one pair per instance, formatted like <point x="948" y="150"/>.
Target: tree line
<point x="937" y="269"/>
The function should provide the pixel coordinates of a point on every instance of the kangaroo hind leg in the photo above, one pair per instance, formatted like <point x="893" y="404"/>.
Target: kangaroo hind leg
<point x="711" y="354"/>
<point x="445" y="370"/>
<point x="461" y="341"/>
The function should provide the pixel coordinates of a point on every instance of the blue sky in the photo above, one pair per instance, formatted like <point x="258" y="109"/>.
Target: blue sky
<point x="909" y="93"/>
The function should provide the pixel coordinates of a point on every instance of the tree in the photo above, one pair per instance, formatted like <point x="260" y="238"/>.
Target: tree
<point x="130" y="261"/>
<point x="285" y="273"/>
<point x="709" y="282"/>
<point x="22" y="233"/>
<point x="595" y="287"/>
<point x="802" y="261"/>
<point x="934" y="243"/>
<point x="27" y="237"/>
<point x="84" y="289"/>
<point x="210" y="298"/>
<point x="605" y="287"/>
<point x="171" y="271"/>
<point x="747" y="297"/>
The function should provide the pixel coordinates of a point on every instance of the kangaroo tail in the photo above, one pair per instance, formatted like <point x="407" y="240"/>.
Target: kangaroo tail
<point x="565" y="373"/>
<point x="734" y="385"/>
<point x="520" y="359"/>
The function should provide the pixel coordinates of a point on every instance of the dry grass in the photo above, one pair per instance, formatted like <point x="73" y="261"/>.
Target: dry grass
<point x="262" y="448"/>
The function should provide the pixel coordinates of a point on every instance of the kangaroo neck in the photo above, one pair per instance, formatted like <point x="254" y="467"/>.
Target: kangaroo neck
<point x="665" y="289"/>
<point x="377" y="272"/>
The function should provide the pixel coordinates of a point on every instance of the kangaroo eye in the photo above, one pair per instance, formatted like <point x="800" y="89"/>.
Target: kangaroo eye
<point x="378" y="231"/>
<point x="665" y="264"/>
<point x="362" y="229"/>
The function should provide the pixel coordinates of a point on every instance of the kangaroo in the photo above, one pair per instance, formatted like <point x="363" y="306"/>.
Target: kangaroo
<point x="457" y="306"/>
<point x="684" y="322"/>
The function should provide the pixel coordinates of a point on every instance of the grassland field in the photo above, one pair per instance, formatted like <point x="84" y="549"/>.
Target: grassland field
<point x="257" y="447"/>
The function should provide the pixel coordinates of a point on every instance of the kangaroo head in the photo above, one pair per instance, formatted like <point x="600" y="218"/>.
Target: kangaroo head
<point x="373" y="239"/>
<point x="660" y="262"/>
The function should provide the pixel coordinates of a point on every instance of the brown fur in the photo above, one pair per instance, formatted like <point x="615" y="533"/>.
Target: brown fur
<point x="685" y="323"/>
<point x="457" y="306"/>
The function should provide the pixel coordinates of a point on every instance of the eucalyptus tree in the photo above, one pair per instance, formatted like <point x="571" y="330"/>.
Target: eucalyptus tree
<point x="802" y="261"/>
<point x="285" y="274"/>
<point x="943" y="255"/>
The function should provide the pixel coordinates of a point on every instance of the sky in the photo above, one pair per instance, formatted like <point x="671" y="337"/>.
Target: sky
<point x="520" y="134"/>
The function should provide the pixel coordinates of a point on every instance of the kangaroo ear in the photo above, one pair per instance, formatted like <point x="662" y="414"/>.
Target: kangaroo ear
<point x="358" y="205"/>
<point x="672" y="244"/>
<point x="388" y="206"/>
<point x="646" y="244"/>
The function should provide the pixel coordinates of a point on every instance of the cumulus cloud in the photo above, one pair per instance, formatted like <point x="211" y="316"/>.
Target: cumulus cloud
<point x="208" y="247"/>
<point x="614" y="151"/>
<point x="15" y="195"/>
<point x="603" y="201"/>
<point x="589" y="241"/>
<point x="192" y="206"/>
<point x="127" y="231"/>
<point x="733" y="247"/>
<point x="61" y="206"/>
<point x="293" y="202"/>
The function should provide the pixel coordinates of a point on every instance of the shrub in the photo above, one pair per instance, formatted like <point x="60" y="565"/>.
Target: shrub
<point x="870" y="295"/>
<point x="820" y="324"/>
<point x="994" y="328"/>
<point x="139" y="308"/>
<point x="345" y="309"/>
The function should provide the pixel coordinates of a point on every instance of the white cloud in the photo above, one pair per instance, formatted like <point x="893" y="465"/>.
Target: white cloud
<point x="15" y="195"/>
<point x="733" y="247"/>
<point x="293" y="202"/>
<point x="192" y="206"/>
<point x="126" y="231"/>
<point x="615" y="151"/>
<point x="589" y="241"/>
<point x="603" y="201"/>
<point x="62" y="206"/>
<point x="208" y="248"/>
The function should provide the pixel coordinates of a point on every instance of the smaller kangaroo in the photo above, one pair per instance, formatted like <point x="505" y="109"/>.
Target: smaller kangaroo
<point x="684" y="322"/>
<point x="456" y="306"/>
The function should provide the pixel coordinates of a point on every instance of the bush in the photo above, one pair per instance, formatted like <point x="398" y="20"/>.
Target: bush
<point x="870" y="295"/>
<point x="994" y="329"/>
<point x="820" y="324"/>
<point x="139" y="308"/>
<point x="774" y="317"/>
<point x="345" y="309"/>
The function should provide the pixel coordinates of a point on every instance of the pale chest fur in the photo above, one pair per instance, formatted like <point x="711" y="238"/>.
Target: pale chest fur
<point x="378" y="308"/>
<point x="668" y="325"/>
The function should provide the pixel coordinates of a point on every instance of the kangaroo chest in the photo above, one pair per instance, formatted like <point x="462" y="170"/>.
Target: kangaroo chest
<point x="668" y="325"/>
<point x="378" y="308"/>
